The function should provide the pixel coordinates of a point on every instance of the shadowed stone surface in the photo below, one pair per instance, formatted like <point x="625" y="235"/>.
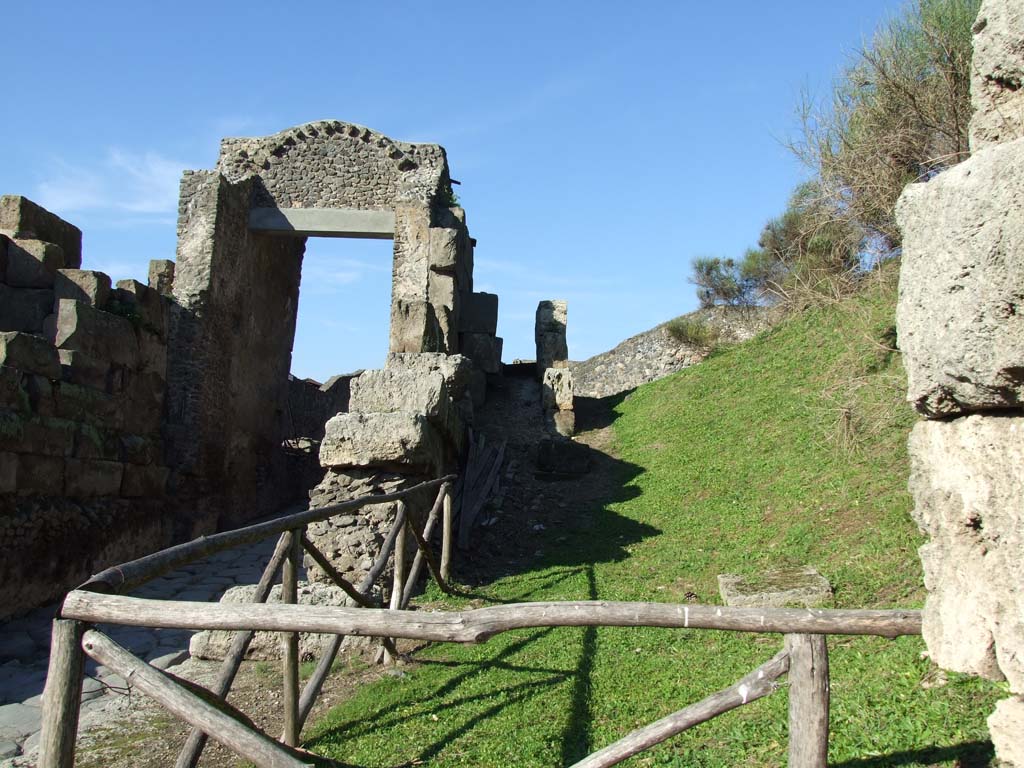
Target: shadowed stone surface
<point x="20" y="217"/>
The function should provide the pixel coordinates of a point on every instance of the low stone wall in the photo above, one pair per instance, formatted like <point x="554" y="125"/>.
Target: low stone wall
<point x="654" y="354"/>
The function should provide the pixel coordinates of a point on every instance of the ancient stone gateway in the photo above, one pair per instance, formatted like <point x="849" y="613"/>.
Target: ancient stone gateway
<point x="241" y="237"/>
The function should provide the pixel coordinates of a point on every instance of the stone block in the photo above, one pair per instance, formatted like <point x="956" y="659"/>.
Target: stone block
<point x="87" y="478"/>
<point x="21" y="433"/>
<point x="143" y="406"/>
<point x="41" y="394"/>
<point x="4" y="242"/>
<point x="445" y="248"/>
<point x="22" y="218"/>
<point x="967" y="480"/>
<point x="266" y="646"/>
<point x="411" y="264"/>
<point x="29" y="353"/>
<point x="483" y="349"/>
<point x="997" y="75"/>
<point x="148" y="481"/>
<point x="557" y="389"/>
<point x="478" y="313"/>
<point x="24" y="309"/>
<point x="13" y="390"/>
<point x="40" y="475"/>
<point x="89" y="405"/>
<point x="161" y="276"/>
<point x="561" y="422"/>
<point x="960" y="319"/>
<point x="391" y="389"/>
<point x="84" y="285"/>
<point x="776" y="588"/>
<point x="444" y="297"/>
<point x="478" y="387"/>
<point x="84" y="370"/>
<point x="402" y="440"/>
<point x="1006" y="725"/>
<point x="152" y="353"/>
<point x="8" y="472"/>
<point x="136" y="449"/>
<point x="96" y="442"/>
<point x="33" y="263"/>
<point x="549" y="335"/>
<point x="149" y="306"/>
<point x="99" y="334"/>
<point x="415" y="327"/>
<point x="339" y="390"/>
<point x="457" y="370"/>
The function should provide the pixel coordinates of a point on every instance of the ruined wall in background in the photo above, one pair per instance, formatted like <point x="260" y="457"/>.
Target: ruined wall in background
<point x="231" y="333"/>
<point x="960" y="320"/>
<point x="83" y="476"/>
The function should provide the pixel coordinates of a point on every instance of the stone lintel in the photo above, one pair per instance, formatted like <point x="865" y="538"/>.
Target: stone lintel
<point x="324" y="222"/>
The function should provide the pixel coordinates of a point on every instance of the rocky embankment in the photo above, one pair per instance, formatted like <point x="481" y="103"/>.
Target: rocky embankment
<point x="655" y="354"/>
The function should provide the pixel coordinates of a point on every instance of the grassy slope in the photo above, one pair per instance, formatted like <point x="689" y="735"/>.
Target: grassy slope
<point x="743" y="462"/>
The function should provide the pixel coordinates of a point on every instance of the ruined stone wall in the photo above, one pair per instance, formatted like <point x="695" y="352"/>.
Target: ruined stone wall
<point x="654" y="354"/>
<point x="83" y="476"/>
<point x="960" y="320"/>
<point x="232" y="328"/>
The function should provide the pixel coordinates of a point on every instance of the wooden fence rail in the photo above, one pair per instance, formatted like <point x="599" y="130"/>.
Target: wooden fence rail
<point x="804" y="656"/>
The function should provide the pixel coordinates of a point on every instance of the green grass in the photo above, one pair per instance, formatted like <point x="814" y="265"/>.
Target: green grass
<point x="786" y="450"/>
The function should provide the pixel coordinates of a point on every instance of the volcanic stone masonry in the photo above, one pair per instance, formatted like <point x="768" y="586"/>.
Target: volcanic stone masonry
<point x="134" y="416"/>
<point x="961" y="330"/>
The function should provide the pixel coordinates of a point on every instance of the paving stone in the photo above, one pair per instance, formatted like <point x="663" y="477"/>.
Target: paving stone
<point x="18" y="721"/>
<point x="196" y="595"/>
<point x="138" y="641"/>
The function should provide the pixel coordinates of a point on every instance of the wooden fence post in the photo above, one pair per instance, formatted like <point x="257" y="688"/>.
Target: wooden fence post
<point x="808" y="701"/>
<point x="62" y="696"/>
<point x="398" y="580"/>
<point x="446" y="536"/>
<point x="290" y="594"/>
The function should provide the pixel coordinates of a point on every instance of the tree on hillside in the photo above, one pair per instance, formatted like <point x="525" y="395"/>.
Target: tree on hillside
<point x="899" y="113"/>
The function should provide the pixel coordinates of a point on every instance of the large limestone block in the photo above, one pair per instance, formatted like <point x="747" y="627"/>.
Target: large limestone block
<point x="33" y="263"/>
<point x="960" y="315"/>
<point x="483" y="349"/>
<point x="85" y="285"/>
<point x="24" y="309"/>
<point x="479" y="313"/>
<point x="967" y="479"/>
<point x="549" y="334"/>
<point x="1006" y="725"/>
<point x="389" y="389"/>
<point x="400" y="440"/>
<point x="411" y="266"/>
<point x="29" y="353"/>
<point x="146" y="303"/>
<point x="161" y="276"/>
<point x="415" y="327"/>
<point x="99" y="334"/>
<point x="457" y="370"/>
<point x="997" y="73"/>
<point x="266" y="646"/>
<point x="557" y="389"/>
<point x="20" y="217"/>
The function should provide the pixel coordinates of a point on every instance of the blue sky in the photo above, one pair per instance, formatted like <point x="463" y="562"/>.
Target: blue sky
<point x="601" y="146"/>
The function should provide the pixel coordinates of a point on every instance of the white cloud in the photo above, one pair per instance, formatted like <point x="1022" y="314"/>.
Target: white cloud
<point x="122" y="182"/>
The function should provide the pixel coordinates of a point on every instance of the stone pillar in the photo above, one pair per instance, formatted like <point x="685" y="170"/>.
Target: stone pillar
<point x="549" y="333"/>
<point x="961" y="331"/>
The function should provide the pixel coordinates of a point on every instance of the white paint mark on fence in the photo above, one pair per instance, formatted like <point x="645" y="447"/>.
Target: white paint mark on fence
<point x="744" y="692"/>
<point x="686" y="616"/>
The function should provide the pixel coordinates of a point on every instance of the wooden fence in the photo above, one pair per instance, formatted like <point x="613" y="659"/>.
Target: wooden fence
<point x="804" y="655"/>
